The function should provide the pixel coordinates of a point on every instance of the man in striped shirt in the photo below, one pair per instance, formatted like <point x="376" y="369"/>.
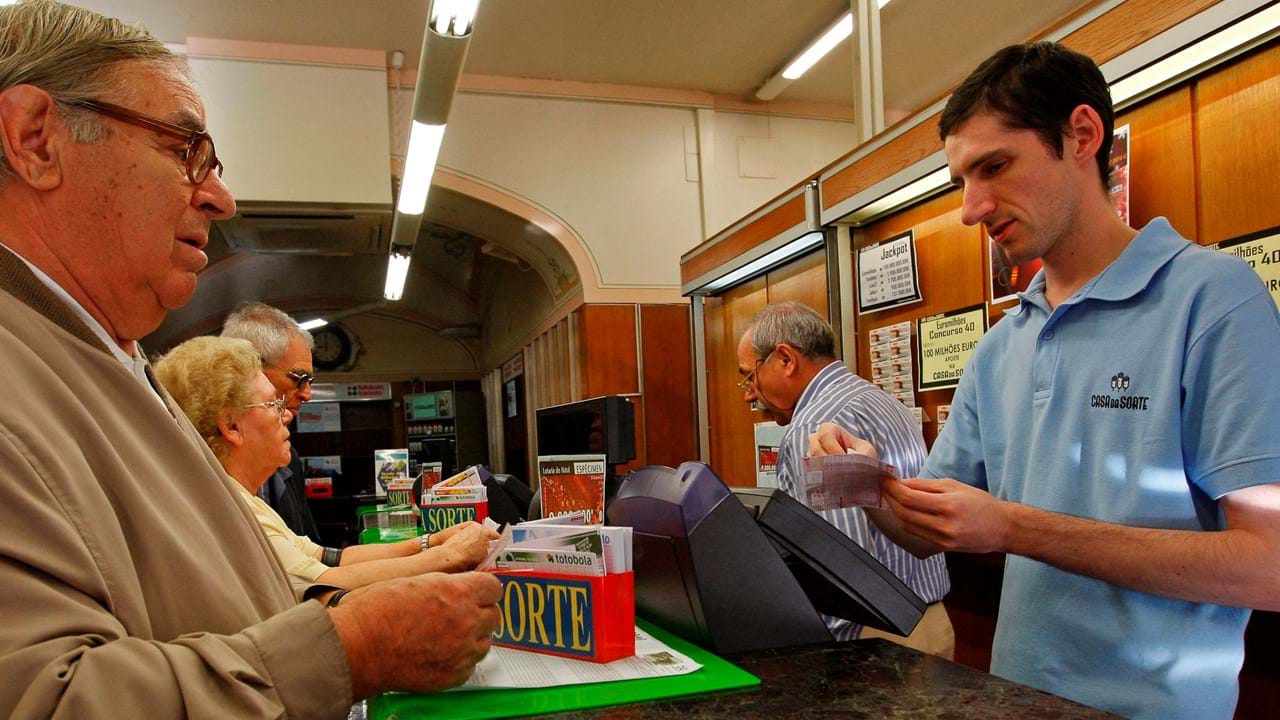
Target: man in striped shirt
<point x="787" y="360"/>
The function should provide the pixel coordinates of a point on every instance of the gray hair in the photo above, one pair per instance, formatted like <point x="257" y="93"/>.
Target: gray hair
<point x="795" y="324"/>
<point x="69" y="53"/>
<point x="268" y="329"/>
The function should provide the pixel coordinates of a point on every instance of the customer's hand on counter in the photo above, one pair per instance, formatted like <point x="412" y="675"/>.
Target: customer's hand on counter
<point x="422" y="633"/>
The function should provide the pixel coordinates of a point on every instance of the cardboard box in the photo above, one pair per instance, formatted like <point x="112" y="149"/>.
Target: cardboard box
<point x="585" y="617"/>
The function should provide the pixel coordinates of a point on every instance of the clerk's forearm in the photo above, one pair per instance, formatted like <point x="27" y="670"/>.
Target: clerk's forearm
<point x="1228" y="567"/>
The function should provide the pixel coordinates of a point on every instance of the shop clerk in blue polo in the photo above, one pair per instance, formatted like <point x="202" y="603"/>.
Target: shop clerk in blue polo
<point x="1141" y="400"/>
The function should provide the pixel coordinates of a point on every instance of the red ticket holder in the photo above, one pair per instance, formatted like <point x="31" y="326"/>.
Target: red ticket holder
<point x="319" y="487"/>
<point x="438" y="516"/>
<point x="584" y="617"/>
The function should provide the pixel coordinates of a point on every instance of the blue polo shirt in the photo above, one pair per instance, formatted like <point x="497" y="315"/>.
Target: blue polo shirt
<point x="1140" y="400"/>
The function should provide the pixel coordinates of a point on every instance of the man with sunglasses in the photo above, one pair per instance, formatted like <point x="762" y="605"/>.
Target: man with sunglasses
<point x="285" y="350"/>
<point x="789" y="371"/>
<point x="136" y="582"/>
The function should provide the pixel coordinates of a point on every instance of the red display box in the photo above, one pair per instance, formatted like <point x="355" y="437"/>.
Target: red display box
<point x="585" y="617"/>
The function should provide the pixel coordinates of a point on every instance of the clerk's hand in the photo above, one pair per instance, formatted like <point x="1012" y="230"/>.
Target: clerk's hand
<point x="423" y="633"/>
<point x="949" y="514"/>
<point x="467" y="547"/>
<point x="831" y="439"/>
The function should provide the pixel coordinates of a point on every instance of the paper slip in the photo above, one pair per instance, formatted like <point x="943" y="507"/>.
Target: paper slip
<point x="840" y="481"/>
<point x="554" y="562"/>
<point x="613" y="542"/>
<point x="577" y="517"/>
<point x="509" y="668"/>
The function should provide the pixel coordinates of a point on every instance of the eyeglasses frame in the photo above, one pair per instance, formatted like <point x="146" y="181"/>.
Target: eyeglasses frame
<point x="300" y="379"/>
<point x="748" y="381"/>
<point x="192" y="137"/>
<point x="277" y="405"/>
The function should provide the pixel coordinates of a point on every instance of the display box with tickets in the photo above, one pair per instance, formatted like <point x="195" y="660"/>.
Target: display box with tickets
<point x="567" y="589"/>
<point x="457" y="499"/>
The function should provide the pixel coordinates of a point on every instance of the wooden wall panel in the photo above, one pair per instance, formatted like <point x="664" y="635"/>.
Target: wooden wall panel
<point x="1162" y="162"/>
<point x="953" y="274"/>
<point x="787" y="215"/>
<point x="608" y="336"/>
<point x="667" y="350"/>
<point x="1237" y="116"/>
<point x="803" y="280"/>
<point x="732" y="423"/>
<point x="1130" y="24"/>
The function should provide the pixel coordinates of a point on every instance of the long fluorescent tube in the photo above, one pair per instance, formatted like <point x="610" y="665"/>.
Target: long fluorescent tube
<point x="768" y="260"/>
<point x="419" y="166"/>
<point x="313" y="324"/>
<point x="934" y="182"/>
<point x="832" y="37"/>
<point x="1232" y="39"/>
<point x="397" y="271"/>
<point x="453" y="17"/>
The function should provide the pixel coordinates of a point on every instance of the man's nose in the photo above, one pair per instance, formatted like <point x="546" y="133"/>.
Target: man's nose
<point x="977" y="204"/>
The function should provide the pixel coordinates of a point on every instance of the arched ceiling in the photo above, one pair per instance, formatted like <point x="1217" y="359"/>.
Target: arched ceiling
<point x="465" y="256"/>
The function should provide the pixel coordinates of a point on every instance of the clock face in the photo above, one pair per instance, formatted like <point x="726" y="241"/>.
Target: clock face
<point x="332" y="348"/>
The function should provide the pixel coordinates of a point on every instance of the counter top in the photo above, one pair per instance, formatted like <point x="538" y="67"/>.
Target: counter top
<point x="861" y="679"/>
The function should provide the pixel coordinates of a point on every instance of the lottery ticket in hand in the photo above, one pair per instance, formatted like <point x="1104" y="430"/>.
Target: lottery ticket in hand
<point x="840" y="481"/>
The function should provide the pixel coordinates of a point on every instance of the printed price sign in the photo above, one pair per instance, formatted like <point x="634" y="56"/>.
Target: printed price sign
<point x="945" y="343"/>
<point x="887" y="275"/>
<point x="1262" y="251"/>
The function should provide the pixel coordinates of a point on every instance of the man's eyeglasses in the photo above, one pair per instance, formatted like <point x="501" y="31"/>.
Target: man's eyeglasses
<point x="300" y="378"/>
<point x="199" y="155"/>
<point x="277" y="405"/>
<point x="749" y="380"/>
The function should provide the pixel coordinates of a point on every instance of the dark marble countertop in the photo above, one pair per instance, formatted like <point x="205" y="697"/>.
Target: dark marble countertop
<point x="861" y="679"/>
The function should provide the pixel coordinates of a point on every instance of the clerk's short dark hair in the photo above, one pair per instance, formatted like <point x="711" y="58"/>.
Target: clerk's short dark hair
<point x="1035" y="87"/>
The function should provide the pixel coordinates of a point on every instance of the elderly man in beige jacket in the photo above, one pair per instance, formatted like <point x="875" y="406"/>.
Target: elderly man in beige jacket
<point x="137" y="584"/>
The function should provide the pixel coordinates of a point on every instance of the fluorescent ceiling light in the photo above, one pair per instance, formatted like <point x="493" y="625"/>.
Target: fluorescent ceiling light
<point x="419" y="166"/>
<point x="313" y="324"/>
<point x="397" y="271"/>
<point x="453" y="17"/>
<point x="764" y="262"/>
<point x="832" y="37"/>
<point x="1233" y="39"/>
<point x="924" y="187"/>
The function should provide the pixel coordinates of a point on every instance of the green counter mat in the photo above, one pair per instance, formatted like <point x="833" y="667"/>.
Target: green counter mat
<point x="715" y="674"/>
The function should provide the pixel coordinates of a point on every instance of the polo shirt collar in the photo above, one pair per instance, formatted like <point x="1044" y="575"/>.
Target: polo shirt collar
<point x="1131" y="273"/>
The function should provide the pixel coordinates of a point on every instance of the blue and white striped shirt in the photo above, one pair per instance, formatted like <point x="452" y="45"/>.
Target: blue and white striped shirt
<point x="837" y="395"/>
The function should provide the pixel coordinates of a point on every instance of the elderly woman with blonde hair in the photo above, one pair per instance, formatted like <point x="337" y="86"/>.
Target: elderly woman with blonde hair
<point x="220" y="386"/>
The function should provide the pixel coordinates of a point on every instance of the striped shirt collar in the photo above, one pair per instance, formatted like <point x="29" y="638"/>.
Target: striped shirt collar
<point x="826" y="377"/>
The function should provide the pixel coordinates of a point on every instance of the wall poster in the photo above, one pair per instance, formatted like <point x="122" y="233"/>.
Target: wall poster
<point x="945" y="342"/>
<point x="1118" y="183"/>
<point x="888" y="274"/>
<point x="1262" y="251"/>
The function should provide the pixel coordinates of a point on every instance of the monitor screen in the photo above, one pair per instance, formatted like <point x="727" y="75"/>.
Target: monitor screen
<point x="838" y="575"/>
<point x="600" y="425"/>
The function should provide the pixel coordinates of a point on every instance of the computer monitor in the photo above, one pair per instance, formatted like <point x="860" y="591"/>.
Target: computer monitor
<point x="704" y="569"/>
<point x="839" y="577"/>
<point x="604" y="425"/>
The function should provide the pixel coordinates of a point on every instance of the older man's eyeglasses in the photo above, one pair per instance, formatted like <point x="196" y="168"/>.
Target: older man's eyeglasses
<point x="300" y="378"/>
<point x="277" y="405"/>
<point x="199" y="155"/>
<point x="748" y="381"/>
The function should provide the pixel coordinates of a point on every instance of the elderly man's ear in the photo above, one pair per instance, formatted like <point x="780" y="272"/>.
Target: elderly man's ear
<point x="33" y="135"/>
<point x="230" y="430"/>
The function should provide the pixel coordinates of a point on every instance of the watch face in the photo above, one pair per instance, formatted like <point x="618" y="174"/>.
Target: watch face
<point x="332" y="348"/>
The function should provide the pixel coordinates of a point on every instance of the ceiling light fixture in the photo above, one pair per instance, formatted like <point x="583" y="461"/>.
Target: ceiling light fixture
<point x="397" y="273"/>
<point x="313" y="323"/>
<point x="444" y="49"/>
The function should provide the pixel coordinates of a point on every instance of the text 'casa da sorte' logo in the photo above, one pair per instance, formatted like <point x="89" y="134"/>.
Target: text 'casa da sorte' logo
<point x="1120" y="383"/>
